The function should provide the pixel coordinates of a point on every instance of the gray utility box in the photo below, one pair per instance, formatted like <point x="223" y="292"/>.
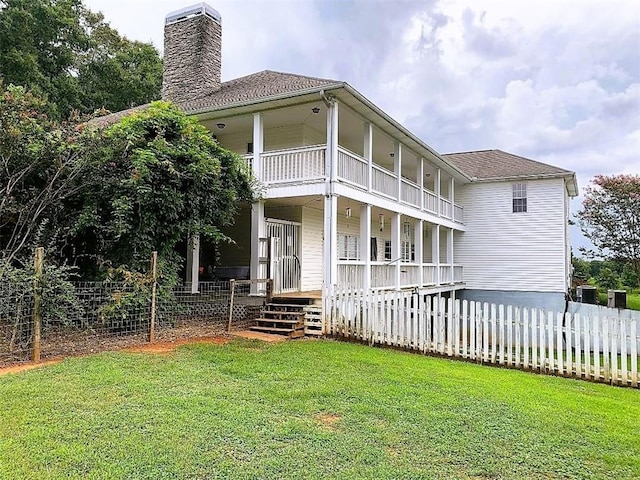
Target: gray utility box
<point x="617" y="299"/>
<point x="587" y="294"/>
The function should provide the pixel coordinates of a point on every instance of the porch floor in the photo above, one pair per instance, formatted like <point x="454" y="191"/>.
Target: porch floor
<point x="311" y="294"/>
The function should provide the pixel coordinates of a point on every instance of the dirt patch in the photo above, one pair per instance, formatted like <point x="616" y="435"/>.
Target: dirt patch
<point x="160" y="348"/>
<point x="327" y="420"/>
<point x="164" y="348"/>
<point x="27" y="366"/>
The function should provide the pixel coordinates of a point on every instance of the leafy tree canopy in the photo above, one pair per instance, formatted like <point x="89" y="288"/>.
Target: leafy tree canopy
<point x="112" y="196"/>
<point x="159" y="177"/>
<point x="64" y="51"/>
<point x="41" y="163"/>
<point x="610" y="219"/>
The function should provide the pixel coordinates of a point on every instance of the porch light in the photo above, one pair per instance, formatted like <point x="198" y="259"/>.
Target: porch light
<point x="347" y="212"/>
<point x="381" y="221"/>
<point x="315" y="109"/>
<point x="220" y="125"/>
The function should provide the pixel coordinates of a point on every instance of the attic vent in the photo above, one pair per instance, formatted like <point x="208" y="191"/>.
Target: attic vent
<point x="192" y="11"/>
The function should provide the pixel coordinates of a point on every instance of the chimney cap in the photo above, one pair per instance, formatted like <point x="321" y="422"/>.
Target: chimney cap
<point x="192" y="11"/>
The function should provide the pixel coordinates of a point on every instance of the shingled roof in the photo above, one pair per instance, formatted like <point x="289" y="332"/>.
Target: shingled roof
<point x="255" y="87"/>
<point x="496" y="164"/>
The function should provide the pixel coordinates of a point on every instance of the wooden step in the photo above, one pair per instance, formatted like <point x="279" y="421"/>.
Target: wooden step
<point x="282" y="312"/>
<point x="291" y="333"/>
<point x="275" y="329"/>
<point x="285" y="305"/>
<point x="279" y="320"/>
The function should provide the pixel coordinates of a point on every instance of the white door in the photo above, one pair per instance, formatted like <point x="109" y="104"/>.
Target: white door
<point x="284" y="239"/>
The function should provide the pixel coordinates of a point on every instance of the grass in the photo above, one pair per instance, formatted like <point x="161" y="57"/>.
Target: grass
<point x="633" y="300"/>
<point x="309" y="409"/>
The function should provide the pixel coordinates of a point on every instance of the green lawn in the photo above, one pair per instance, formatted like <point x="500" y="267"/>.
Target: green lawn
<point x="309" y="409"/>
<point x="633" y="300"/>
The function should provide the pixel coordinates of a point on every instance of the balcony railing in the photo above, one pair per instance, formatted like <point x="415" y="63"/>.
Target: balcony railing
<point x="352" y="168"/>
<point x="383" y="275"/>
<point x="293" y="165"/>
<point x="307" y="164"/>
<point x="384" y="182"/>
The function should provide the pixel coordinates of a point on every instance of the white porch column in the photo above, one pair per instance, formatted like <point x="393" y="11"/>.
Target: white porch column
<point x="397" y="168"/>
<point x="193" y="263"/>
<point x="452" y="186"/>
<point x="257" y="232"/>
<point x="368" y="153"/>
<point x="436" y="185"/>
<point x="450" y="251"/>
<point x="330" y="250"/>
<point x="420" y="175"/>
<point x="365" y="244"/>
<point x="396" y="220"/>
<point x="331" y="157"/>
<point x="258" y="144"/>
<point x="418" y="236"/>
<point x="435" y="250"/>
<point x="330" y="244"/>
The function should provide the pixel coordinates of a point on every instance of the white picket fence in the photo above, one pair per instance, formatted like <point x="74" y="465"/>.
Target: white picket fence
<point x="597" y="348"/>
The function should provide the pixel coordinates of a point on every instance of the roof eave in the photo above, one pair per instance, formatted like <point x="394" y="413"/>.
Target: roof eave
<point x="569" y="177"/>
<point x="260" y="101"/>
<point x="400" y="127"/>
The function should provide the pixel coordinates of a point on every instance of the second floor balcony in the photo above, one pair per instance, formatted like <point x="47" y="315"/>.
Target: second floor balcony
<point x="304" y="165"/>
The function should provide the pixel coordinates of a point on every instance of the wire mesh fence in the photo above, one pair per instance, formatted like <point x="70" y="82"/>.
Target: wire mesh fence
<point x="87" y="317"/>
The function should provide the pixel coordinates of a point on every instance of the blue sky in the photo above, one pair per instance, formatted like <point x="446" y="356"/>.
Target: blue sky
<point x="556" y="81"/>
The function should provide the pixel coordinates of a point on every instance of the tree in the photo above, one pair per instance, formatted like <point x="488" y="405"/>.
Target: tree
<point x="610" y="219"/>
<point x="62" y="50"/>
<point x="41" y="162"/>
<point x="159" y="177"/>
<point x="581" y="269"/>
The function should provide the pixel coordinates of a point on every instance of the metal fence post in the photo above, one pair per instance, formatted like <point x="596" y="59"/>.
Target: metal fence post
<point x="37" y="304"/>
<point x="154" y="278"/>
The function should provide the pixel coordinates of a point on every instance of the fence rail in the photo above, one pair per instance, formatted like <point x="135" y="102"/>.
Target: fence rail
<point x="70" y="318"/>
<point x="597" y="348"/>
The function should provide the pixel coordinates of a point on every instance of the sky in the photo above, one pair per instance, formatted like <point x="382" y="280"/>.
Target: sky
<point x="556" y="81"/>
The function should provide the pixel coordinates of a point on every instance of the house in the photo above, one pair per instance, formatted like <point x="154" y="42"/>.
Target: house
<point x="352" y="198"/>
<point x="516" y="249"/>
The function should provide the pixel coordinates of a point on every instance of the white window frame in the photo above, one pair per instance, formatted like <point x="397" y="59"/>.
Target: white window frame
<point x="349" y="247"/>
<point x="519" y="198"/>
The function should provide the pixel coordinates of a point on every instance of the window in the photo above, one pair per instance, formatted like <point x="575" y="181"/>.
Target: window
<point x="519" y="197"/>
<point x="387" y="250"/>
<point x="348" y="247"/>
<point x="407" y="251"/>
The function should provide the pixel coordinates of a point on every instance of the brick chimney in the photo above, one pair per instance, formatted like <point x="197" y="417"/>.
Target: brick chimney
<point x="192" y="53"/>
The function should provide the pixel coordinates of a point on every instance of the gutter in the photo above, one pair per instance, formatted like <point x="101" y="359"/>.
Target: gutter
<point x="249" y="102"/>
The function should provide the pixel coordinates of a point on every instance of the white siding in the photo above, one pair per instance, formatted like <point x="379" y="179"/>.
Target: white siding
<point x="351" y="226"/>
<point x="509" y="251"/>
<point x="278" y="138"/>
<point x="313" y="136"/>
<point x="311" y="254"/>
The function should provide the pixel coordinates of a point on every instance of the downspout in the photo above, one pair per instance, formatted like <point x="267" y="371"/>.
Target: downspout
<point x="325" y="99"/>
